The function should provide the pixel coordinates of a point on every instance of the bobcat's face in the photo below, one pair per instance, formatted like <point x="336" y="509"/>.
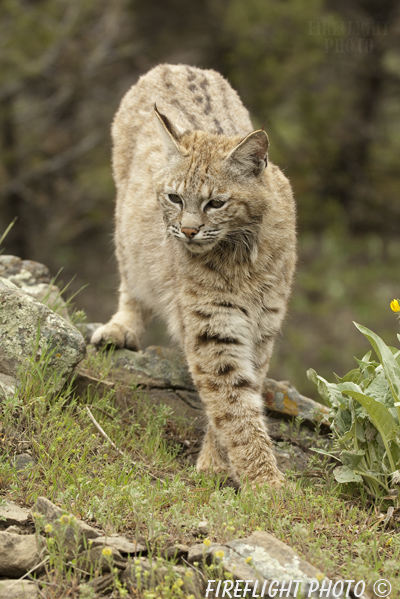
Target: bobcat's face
<point x="198" y="220"/>
<point x="208" y="194"/>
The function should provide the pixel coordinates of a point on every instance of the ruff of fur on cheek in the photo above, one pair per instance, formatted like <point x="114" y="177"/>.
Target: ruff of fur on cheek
<point x="238" y="248"/>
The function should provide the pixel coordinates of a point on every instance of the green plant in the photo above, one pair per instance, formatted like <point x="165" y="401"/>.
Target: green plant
<point x="364" y="417"/>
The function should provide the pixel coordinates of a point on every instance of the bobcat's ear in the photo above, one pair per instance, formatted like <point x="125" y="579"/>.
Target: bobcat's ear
<point x="250" y="155"/>
<point x="170" y="133"/>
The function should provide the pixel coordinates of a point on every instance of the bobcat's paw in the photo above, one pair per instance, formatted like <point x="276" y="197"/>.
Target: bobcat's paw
<point x="115" y="334"/>
<point x="275" y="482"/>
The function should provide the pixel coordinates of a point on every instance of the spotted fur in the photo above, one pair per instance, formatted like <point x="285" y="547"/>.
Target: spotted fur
<point x="205" y="237"/>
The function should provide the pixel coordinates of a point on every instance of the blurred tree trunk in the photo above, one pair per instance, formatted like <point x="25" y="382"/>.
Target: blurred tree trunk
<point x="351" y="182"/>
<point x="13" y="207"/>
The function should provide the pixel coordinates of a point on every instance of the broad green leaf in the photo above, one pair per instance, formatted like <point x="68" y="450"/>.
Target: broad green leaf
<point x="343" y="474"/>
<point x="354" y="376"/>
<point x="360" y="432"/>
<point x="382" y="420"/>
<point x="380" y="390"/>
<point x="328" y="391"/>
<point x="352" y="458"/>
<point x="389" y="363"/>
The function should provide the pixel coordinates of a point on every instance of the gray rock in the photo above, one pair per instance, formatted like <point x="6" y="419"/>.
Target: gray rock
<point x="23" y="461"/>
<point x="77" y="532"/>
<point x="177" y="552"/>
<point x="18" y="589"/>
<point x="13" y="514"/>
<point x="263" y="563"/>
<point x="98" y="584"/>
<point x="15" y="530"/>
<point x="160" y="367"/>
<point x="196" y="553"/>
<point x="23" y="272"/>
<point x="165" y="368"/>
<point x="28" y="327"/>
<point x="121" y="544"/>
<point x="35" y="279"/>
<point x="18" y="554"/>
<point x="8" y="386"/>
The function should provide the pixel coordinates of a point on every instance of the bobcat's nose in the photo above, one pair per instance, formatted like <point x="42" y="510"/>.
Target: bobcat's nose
<point x="189" y="232"/>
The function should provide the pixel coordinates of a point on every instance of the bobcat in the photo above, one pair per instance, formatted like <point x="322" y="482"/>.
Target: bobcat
<point x="205" y="237"/>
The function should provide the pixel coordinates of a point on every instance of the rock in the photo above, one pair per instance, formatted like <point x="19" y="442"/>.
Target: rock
<point x="160" y="367"/>
<point x="196" y="553"/>
<point x="23" y="461"/>
<point x="280" y="397"/>
<point x="98" y="584"/>
<point x="202" y="528"/>
<point x="121" y="544"/>
<point x="28" y="327"/>
<point x="8" y="386"/>
<point x="18" y="589"/>
<point x="51" y="514"/>
<point x="261" y="560"/>
<point x="15" y="530"/>
<point x="35" y="279"/>
<point x="165" y="368"/>
<point x="13" y="514"/>
<point x="18" y="554"/>
<point x="177" y="552"/>
<point x="23" y="272"/>
<point x="95" y="559"/>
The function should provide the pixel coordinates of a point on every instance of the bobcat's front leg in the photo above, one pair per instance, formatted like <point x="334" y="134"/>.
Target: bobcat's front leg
<point x="220" y="360"/>
<point x="213" y="456"/>
<point x="126" y="327"/>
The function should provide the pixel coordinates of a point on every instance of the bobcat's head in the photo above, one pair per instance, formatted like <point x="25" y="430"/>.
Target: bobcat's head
<point x="212" y="188"/>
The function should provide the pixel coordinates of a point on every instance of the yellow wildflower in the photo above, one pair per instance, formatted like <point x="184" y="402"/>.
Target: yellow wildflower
<point x="107" y="551"/>
<point x="395" y="305"/>
<point x="64" y="519"/>
<point x="48" y="528"/>
<point x="219" y="554"/>
<point x="248" y="559"/>
<point x="207" y="542"/>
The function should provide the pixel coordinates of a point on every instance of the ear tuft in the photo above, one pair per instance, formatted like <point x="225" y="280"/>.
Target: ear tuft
<point x="249" y="157"/>
<point x="170" y="134"/>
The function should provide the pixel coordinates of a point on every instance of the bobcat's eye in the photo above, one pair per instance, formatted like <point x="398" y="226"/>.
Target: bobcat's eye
<point x="175" y="199"/>
<point x="216" y="203"/>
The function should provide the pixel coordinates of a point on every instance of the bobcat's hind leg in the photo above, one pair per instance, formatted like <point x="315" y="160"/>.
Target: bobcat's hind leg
<point x="212" y="455"/>
<point x="126" y="327"/>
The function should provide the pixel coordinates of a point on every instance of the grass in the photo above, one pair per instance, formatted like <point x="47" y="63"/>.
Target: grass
<point x="151" y="494"/>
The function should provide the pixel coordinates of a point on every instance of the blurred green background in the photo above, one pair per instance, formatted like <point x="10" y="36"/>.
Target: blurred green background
<point x="322" y="76"/>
